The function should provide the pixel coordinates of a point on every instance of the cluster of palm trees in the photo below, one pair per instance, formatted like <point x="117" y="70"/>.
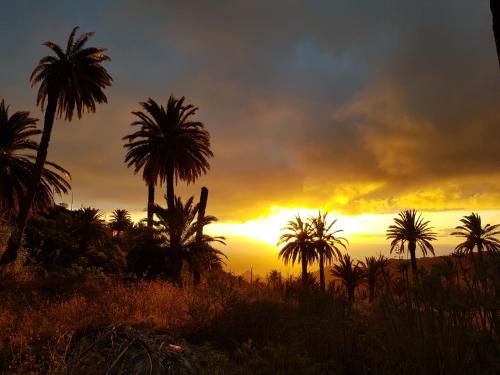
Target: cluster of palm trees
<point x="309" y="241"/>
<point x="168" y="145"/>
<point x="315" y="240"/>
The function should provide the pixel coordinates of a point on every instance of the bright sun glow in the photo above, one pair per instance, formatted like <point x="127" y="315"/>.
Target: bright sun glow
<point x="268" y="228"/>
<point x="265" y="228"/>
<point x="358" y="229"/>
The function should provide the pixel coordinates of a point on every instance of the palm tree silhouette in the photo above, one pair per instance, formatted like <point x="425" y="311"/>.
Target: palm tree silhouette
<point x="477" y="236"/>
<point x="120" y="221"/>
<point x="411" y="229"/>
<point x="350" y="272"/>
<point x="274" y="279"/>
<point x="373" y="266"/>
<point x="298" y="245"/>
<point x="169" y="145"/>
<point x="17" y="164"/>
<point x="325" y="242"/>
<point x="89" y="228"/>
<point x="71" y="80"/>
<point x="178" y="227"/>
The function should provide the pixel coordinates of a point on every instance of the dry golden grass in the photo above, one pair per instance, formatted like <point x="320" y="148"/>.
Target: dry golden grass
<point x="39" y="317"/>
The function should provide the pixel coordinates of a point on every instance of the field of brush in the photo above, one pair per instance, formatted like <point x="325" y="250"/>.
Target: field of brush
<point x="440" y="324"/>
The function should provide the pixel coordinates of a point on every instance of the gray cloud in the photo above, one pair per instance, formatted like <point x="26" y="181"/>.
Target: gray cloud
<point x="386" y="104"/>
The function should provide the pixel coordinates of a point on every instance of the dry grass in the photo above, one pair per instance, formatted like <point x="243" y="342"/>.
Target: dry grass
<point x="47" y="323"/>
<point x="39" y="317"/>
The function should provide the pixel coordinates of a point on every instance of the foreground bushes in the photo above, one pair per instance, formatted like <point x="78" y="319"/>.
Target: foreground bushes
<point x="234" y="328"/>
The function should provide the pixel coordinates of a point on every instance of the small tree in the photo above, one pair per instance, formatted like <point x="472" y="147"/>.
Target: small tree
<point x="373" y="266"/>
<point x="350" y="272"/>
<point x="477" y="236"/>
<point x="411" y="229"/>
<point x="298" y="245"/>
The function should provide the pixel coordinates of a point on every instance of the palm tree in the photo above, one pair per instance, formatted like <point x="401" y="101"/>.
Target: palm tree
<point x="325" y="242"/>
<point x="178" y="227"/>
<point x="350" y="272"/>
<point x="89" y="227"/>
<point x="411" y="229"/>
<point x="71" y="80"/>
<point x="16" y="164"/>
<point x="169" y="145"/>
<point x="274" y="279"/>
<point x="477" y="236"/>
<point x="373" y="266"/>
<point x="120" y="221"/>
<point x="298" y="245"/>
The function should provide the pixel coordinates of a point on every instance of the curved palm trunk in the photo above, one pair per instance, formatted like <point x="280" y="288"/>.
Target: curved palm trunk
<point x="322" y="271"/>
<point x="412" y="247"/>
<point x="304" y="271"/>
<point x="495" y="12"/>
<point x="151" y="202"/>
<point x="10" y="254"/>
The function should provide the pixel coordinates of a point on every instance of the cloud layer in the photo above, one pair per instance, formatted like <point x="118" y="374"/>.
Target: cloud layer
<point x="358" y="106"/>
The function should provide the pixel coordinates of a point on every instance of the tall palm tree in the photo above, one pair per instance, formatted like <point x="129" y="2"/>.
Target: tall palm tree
<point x="89" y="227"/>
<point x="350" y="272"/>
<point x="373" y="266"/>
<point x="120" y="221"/>
<point x="169" y="145"/>
<point x="178" y="227"/>
<point x="298" y="245"/>
<point x="325" y="242"/>
<point x="71" y="80"/>
<point x="477" y="236"/>
<point x="16" y="164"/>
<point x="412" y="230"/>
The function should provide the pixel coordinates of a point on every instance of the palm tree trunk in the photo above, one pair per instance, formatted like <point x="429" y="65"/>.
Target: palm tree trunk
<point x="495" y="12"/>
<point x="10" y="254"/>
<point x="304" y="271"/>
<point x="479" y="252"/>
<point x="199" y="231"/>
<point x="201" y="213"/>
<point x="170" y="188"/>
<point x="321" y="271"/>
<point x="151" y="202"/>
<point x="371" y="287"/>
<point x="350" y="293"/>
<point x="412" y="247"/>
<point x="174" y="248"/>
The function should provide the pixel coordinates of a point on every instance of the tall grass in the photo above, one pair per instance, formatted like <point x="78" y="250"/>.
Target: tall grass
<point x="438" y="324"/>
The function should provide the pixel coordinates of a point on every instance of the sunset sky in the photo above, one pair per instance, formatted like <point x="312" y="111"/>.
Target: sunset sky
<point x="363" y="108"/>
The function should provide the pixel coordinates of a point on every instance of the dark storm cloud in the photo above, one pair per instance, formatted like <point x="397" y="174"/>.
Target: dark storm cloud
<point x="359" y="105"/>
